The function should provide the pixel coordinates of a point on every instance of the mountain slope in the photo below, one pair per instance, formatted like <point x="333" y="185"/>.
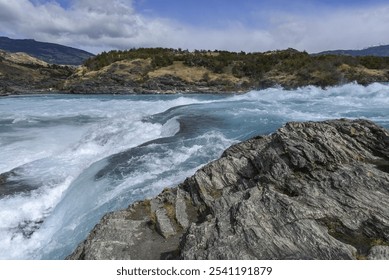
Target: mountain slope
<point x="48" y="52"/>
<point x="372" y="51"/>
<point x="21" y="73"/>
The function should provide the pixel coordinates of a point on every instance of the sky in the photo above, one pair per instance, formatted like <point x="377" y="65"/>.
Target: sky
<point x="239" y="25"/>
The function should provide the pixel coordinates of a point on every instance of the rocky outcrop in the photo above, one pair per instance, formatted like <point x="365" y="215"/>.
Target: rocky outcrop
<point x="314" y="190"/>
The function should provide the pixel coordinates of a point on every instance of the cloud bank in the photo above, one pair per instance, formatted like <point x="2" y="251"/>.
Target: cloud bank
<point x="103" y="25"/>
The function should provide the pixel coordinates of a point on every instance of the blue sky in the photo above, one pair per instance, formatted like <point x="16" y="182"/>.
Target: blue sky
<point x="211" y="11"/>
<point x="248" y="25"/>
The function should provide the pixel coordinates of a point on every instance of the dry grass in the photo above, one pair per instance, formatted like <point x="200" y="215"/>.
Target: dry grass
<point x="371" y="72"/>
<point x="192" y="74"/>
<point x="379" y="242"/>
<point x="363" y="71"/>
<point x="281" y="77"/>
<point x="170" y="211"/>
<point x="131" y="69"/>
<point x="23" y="58"/>
<point x="178" y="69"/>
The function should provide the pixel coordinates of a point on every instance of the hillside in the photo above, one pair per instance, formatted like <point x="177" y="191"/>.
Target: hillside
<point x="382" y="51"/>
<point x="170" y="70"/>
<point x="48" y="52"/>
<point x="158" y="70"/>
<point x="21" y="73"/>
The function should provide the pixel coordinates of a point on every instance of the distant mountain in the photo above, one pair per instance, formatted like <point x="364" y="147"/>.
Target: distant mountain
<point x="48" y="52"/>
<point x="373" y="51"/>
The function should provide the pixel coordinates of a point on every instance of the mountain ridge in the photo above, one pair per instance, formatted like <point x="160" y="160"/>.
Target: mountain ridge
<point x="381" y="51"/>
<point x="49" y="52"/>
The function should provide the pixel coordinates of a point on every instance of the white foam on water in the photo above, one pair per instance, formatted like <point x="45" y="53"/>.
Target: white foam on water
<point x="171" y="127"/>
<point x="18" y="210"/>
<point x="85" y="201"/>
<point x="375" y="92"/>
<point x="55" y="152"/>
<point x="314" y="103"/>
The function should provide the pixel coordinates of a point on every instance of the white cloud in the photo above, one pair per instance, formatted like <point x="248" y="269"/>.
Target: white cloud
<point x="91" y="24"/>
<point x="343" y="29"/>
<point x="102" y="25"/>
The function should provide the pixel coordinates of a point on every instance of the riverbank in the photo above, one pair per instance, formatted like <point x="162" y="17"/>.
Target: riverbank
<point x="169" y="71"/>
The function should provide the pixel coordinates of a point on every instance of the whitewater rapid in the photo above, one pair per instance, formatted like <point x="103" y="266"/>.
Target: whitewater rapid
<point x="66" y="160"/>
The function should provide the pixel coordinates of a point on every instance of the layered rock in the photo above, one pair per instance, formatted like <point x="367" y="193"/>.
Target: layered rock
<point x="314" y="190"/>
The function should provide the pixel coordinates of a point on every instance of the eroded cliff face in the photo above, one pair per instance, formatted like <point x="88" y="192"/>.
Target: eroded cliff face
<point x="314" y="190"/>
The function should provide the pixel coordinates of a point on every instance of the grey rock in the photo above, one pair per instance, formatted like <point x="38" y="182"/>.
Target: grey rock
<point x="162" y="220"/>
<point x="180" y="209"/>
<point x="313" y="190"/>
<point x="128" y="234"/>
<point x="164" y="225"/>
<point x="379" y="253"/>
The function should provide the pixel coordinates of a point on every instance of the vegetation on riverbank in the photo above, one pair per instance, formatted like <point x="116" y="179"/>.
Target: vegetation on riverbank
<point x="288" y="68"/>
<point x="176" y="70"/>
